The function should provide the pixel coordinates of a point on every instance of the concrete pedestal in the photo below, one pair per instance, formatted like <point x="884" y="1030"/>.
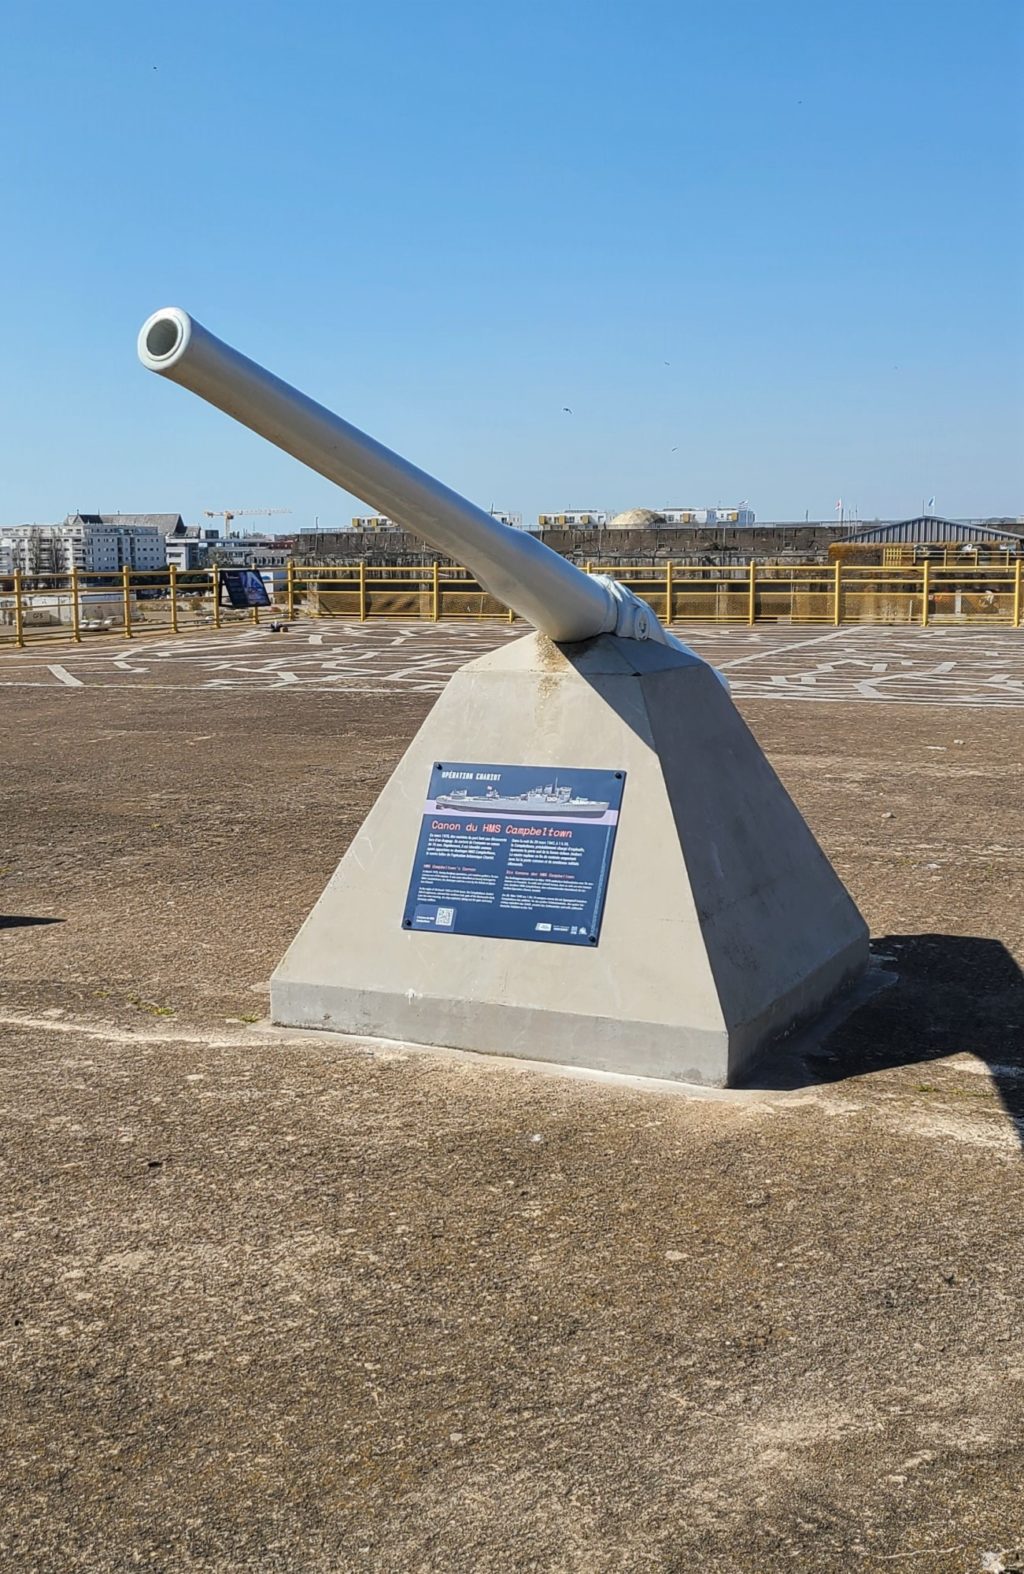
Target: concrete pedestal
<point x="724" y="923"/>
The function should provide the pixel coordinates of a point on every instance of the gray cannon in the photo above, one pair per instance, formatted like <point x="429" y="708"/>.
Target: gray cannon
<point x="517" y="569"/>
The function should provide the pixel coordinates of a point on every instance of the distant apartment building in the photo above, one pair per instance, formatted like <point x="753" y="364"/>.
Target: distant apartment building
<point x="253" y="551"/>
<point x="92" y="543"/>
<point x="269" y="554"/>
<point x="741" y="515"/>
<point x="382" y="522"/>
<point x="34" y="549"/>
<point x="573" y="519"/>
<point x="115" y="541"/>
<point x="189" y="546"/>
<point x="652" y="518"/>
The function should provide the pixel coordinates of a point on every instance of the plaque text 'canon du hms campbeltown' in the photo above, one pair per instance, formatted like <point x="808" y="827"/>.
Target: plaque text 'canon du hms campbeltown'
<point x="517" y="852"/>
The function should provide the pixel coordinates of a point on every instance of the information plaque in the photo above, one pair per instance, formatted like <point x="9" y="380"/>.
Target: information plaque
<point x="517" y="852"/>
<point x="244" y="587"/>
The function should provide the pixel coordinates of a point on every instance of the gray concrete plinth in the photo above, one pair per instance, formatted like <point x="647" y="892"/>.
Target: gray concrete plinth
<point x="724" y="923"/>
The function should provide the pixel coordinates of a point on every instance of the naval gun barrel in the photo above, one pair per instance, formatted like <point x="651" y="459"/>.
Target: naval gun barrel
<point x="513" y="566"/>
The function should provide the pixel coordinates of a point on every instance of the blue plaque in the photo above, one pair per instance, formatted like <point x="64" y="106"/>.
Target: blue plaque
<point x="517" y="852"/>
<point x="245" y="587"/>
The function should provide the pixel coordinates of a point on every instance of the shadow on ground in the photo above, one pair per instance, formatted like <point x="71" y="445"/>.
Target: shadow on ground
<point x="22" y="921"/>
<point x="952" y="995"/>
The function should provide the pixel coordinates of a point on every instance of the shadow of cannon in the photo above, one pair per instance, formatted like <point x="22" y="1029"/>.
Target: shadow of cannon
<point x="951" y="995"/>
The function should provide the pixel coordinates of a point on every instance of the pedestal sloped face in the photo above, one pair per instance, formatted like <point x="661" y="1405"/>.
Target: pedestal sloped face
<point x="724" y="923"/>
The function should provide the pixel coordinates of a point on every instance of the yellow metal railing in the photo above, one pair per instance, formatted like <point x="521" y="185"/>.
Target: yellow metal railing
<point x="82" y="606"/>
<point x="435" y="593"/>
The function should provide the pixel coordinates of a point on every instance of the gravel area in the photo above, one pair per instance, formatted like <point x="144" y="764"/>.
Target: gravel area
<point x="284" y="1305"/>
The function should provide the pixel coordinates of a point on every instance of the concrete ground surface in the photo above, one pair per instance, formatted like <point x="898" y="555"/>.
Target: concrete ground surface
<point x="305" y="1306"/>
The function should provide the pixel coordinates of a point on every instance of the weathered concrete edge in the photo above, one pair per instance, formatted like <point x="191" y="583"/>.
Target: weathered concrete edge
<point x="440" y="1022"/>
<point x="271" y="1033"/>
<point x="791" y="1050"/>
<point x="489" y="1028"/>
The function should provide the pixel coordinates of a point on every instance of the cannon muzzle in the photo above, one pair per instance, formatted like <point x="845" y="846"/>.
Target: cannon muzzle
<point x="520" y="571"/>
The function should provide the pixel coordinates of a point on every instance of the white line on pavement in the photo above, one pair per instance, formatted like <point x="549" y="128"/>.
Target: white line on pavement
<point x="783" y="650"/>
<point x="65" y="676"/>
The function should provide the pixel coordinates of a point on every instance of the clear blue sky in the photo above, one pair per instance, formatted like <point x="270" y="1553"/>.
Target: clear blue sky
<point x="448" y="220"/>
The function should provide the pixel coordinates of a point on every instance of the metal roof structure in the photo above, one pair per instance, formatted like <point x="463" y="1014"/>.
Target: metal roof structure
<point x="929" y="529"/>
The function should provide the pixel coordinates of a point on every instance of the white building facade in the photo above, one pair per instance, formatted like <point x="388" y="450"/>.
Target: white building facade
<point x="740" y="515"/>
<point x="189" y="546"/>
<point x="598" y="519"/>
<point x="92" y="543"/>
<point x="574" y="519"/>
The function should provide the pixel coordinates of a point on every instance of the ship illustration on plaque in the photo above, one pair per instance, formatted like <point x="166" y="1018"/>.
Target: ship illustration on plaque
<point x="552" y="799"/>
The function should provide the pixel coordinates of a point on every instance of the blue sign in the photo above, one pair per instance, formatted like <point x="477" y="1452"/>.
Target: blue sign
<point x="245" y="587"/>
<point x="518" y="852"/>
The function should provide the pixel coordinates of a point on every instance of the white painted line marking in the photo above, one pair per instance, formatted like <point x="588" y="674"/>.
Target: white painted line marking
<point x="65" y="676"/>
<point x="783" y="650"/>
<point x="115" y="1035"/>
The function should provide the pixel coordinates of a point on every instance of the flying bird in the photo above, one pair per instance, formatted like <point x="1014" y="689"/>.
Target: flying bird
<point x="566" y="410"/>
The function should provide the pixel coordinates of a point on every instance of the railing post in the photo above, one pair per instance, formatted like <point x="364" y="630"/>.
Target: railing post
<point x="291" y="589"/>
<point x="752" y="594"/>
<point x="172" y="574"/>
<point x="511" y="615"/>
<point x="362" y="590"/>
<point x="925" y="587"/>
<point x="126" y="600"/>
<point x="837" y="595"/>
<point x="19" y="611"/>
<point x="1017" y="587"/>
<point x="435" y="593"/>
<point x="76" y="611"/>
<point x="668" y="593"/>
<point x="215" y="573"/>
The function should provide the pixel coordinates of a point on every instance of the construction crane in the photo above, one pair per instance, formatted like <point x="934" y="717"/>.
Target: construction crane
<point x="228" y="514"/>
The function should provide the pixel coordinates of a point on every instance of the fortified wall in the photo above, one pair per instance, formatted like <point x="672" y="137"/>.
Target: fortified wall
<point x="687" y="543"/>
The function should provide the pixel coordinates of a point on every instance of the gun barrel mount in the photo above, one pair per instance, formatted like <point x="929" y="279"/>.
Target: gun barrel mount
<point x="519" y="570"/>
